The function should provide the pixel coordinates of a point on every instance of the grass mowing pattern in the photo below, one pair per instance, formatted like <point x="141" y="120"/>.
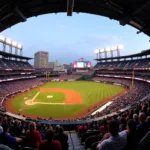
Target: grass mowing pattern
<point x="91" y="92"/>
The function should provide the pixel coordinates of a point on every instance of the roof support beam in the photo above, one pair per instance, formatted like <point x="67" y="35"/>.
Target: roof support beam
<point x="143" y="29"/>
<point x="141" y="7"/>
<point x="127" y="18"/>
<point x="70" y="6"/>
<point x="21" y="15"/>
<point x="6" y="16"/>
<point x="2" y="8"/>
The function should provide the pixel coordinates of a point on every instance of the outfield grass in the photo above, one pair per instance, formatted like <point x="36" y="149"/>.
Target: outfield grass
<point x="91" y="92"/>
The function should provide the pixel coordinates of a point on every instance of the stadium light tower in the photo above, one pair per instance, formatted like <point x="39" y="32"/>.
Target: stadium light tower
<point x="2" y="40"/>
<point x="101" y="51"/>
<point x="9" y="43"/>
<point x="20" y="47"/>
<point x="96" y="52"/>
<point x="14" y="44"/>
<point x="108" y="49"/>
<point x="119" y="47"/>
<point x="113" y="48"/>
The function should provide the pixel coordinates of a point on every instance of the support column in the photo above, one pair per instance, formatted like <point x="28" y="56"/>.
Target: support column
<point x="4" y="47"/>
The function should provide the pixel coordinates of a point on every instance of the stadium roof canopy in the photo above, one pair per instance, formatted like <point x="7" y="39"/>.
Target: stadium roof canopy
<point x="143" y="53"/>
<point x="5" y="54"/>
<point x="133" y="12"/>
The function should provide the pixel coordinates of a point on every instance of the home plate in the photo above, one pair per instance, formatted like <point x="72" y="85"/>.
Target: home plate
<point x="49" y="96"/>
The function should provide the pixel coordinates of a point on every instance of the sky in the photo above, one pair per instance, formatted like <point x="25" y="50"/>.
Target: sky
<point x="69" y="38"/>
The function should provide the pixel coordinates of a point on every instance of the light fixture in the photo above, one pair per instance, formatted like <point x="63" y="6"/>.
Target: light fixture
<point x="113" y="48"/>
<point x="8" y="41"/>
<point x="101" y="50"/>
<point x="19" y="46"/>
<point x="14" y="44"/>
<point x="108" y="49"/>
<point x="2" y="38"/>
<point x="96" y="51"/>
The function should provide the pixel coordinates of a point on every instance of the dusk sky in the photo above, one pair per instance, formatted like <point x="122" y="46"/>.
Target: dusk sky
<point x="69" y="38"/>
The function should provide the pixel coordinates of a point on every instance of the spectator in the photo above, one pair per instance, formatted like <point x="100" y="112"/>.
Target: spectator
<point x="50" y="144"/>
<point x="62" y="138"/>
<point x="122" y="124"/>
<point x="113" y="140"/>
<point x="136" y="119"/>
<point x="16" y="129"/>
<point x="143" y="127"/>
<point x="132" y="136"/>
<point x="7" y="139"/>
<point x="57" y="129"/>
<point x="33" y="136"/>
<point x="103" y="128"/>
<point x="49" y="127"/>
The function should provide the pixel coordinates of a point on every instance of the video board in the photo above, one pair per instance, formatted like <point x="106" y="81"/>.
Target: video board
<point x="78" y="64"/>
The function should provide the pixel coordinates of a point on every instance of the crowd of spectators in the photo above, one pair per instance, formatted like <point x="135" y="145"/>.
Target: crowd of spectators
<point x="145" y="76"/>
<point x="13" y="64"/>
<point x="10" y="87"/>
<point x="17" y="134"/>
<point x="123" y="131"/>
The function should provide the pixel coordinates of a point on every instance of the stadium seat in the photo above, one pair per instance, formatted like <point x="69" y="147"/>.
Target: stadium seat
<point x="93" y="147"/>
<point x="84" y="136"/>
<point x="90" y="140"/>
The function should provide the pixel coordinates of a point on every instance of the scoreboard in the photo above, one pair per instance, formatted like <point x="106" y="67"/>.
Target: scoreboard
<point x="81" y="64"/>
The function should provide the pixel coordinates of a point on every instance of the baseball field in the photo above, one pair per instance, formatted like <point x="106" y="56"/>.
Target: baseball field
<point x="63" y="100"/>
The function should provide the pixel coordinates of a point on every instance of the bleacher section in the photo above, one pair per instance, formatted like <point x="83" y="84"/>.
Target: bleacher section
<point x="136" y="64"/>
<point x="14" y="65"/>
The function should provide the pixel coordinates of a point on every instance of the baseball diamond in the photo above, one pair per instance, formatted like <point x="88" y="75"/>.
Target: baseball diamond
<point x="63" y="100"/>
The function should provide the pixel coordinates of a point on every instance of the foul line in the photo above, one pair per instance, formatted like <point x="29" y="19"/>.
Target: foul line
<point x="35" y="96"/>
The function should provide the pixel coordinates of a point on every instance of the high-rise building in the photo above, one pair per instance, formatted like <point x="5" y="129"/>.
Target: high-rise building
<point x="51" y="65"/>
<point x="41" y="59"/>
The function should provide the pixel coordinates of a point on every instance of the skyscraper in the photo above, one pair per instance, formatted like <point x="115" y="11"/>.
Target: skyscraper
<point x="41" y="59"/>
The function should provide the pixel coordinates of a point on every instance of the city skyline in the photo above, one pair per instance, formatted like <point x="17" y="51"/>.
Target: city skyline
<point x="69" y="38"/>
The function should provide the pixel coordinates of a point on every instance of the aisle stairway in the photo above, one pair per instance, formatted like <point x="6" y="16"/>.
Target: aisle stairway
<point x="74" y="142"/>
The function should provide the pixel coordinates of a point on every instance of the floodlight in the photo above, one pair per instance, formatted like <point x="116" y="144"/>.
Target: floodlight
<point x="113" y="48"/>
<point x="108" y="49"/>
<point x="14" y="43"/>
<point x="2" y="38"/>
<point x="8" y="41"/>
<point x="120" y="47"/>
<point x="101" y="50"/>
<point x="19" y="46"/>
<point x="96" y="51"/>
